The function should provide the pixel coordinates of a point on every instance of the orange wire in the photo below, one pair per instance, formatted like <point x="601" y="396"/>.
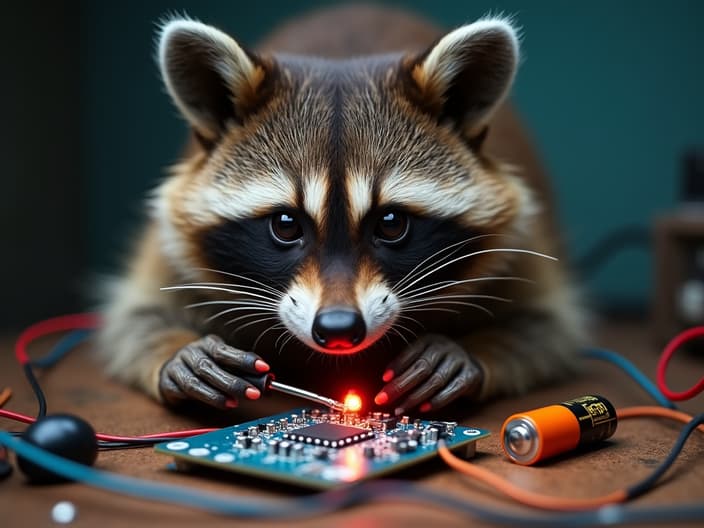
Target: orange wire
<point x="5" y="395"/>
<point x="654" y="411"/>
<point x="548" y="502"/>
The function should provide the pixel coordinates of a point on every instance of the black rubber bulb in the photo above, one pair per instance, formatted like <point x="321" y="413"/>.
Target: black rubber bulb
<point x="64" y="435"/>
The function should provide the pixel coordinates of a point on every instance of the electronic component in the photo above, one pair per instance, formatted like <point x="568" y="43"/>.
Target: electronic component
<point x="539" y="434"/>
<point x="321" y="449"/>
<point x="353" y="402"/>
<point x="329" y="434"/>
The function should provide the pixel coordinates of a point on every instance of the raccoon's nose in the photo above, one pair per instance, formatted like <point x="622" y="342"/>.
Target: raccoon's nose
<point x="338" y="328"/>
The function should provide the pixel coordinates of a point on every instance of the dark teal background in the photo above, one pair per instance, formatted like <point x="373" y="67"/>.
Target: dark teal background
<point x="612" y="91"/>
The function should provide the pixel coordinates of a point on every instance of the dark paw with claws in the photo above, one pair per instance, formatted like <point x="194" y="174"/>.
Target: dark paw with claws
<point x="430" y="373"/>
<point x="208" y="370"/>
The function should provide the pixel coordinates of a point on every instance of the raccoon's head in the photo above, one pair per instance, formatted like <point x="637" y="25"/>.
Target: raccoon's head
<point x="337" y="194"/>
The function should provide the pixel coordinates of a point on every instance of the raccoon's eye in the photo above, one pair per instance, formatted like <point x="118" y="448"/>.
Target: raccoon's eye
<point x="285" y="229"/>
<point x="391" y="227"/>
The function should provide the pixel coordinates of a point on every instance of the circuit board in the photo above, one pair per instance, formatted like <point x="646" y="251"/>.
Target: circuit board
<point x="320" y="449"/>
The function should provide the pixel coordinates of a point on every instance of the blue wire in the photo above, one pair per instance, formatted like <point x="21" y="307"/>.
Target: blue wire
<point x="327" y="502"/>
<point x="632" y="371"/>
<point x="334" y="500"/>
<point x="60" y="349"/>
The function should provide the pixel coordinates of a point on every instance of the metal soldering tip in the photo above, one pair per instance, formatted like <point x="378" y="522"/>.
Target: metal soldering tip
<point x="307" y="395"/>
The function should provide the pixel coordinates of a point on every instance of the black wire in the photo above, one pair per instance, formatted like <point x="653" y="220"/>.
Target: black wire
<point x="367" y="492"/>
<point x="361" y="493"/>
<point x="649" y="482"/>
<point x="614" y="242"/>
<point x="107" y="445"/>
<point x="135" y="443"/>
<point x="41" y="400"/>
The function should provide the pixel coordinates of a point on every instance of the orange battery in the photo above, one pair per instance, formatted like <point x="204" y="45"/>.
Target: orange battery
<point x="539" y="434"/>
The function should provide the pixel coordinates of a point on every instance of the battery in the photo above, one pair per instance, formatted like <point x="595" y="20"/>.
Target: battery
<point x="536" y="435"/>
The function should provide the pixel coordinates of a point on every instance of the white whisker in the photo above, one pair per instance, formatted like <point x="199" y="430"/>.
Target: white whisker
<point x="421" y="289"/>
<point x="242" y="317"/>
<point x="274" y="327"/>
<point x="412" y="319"/>
<point x="395" y="330"/>
<point x="402" y="327"/>
<point x="458" y="296"/>
<point x="271" y="288"/>
<point x="214" y="288"/>
<point x="286" y="342"/>
<point x="283" y="334"/>
<point x="431" y="310"/>
<point x="253" y="323"/>
<point x="245" y="303"/>
<point x="236" y="285"/>
<point x="474" y="254"/>
<point x="424" y="307"/>
<point x="239" y="309"/>
<point x="430" y="288"/>
<point x="456" y="245"/>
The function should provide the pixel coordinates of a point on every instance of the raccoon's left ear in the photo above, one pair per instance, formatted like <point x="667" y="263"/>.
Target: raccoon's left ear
<point x="466" y="74"/>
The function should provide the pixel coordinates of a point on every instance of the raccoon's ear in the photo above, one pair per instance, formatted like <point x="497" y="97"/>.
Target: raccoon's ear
<point x="211" y="79"/>
<point x="466" y="74"/>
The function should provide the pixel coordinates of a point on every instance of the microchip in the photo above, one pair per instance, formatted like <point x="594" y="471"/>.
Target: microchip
<point x="329" y="435"/>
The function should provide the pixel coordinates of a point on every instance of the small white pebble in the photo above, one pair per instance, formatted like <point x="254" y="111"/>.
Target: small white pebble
<point x="610" y="514"/>
<point x="63" y="512"/>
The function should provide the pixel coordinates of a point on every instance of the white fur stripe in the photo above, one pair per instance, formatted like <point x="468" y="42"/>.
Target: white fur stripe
<point x="476" y="201"/>
<point x="429" y="195"/>
<point x="241" y="200"/>
<point x="359" y="194"/>
<point x="315" y="192"/>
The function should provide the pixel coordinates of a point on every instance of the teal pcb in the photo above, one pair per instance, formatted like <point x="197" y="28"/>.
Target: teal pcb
<point x="319" y="449"/>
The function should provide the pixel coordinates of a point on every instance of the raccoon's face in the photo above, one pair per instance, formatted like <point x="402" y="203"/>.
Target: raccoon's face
<point x="337" y="194"/>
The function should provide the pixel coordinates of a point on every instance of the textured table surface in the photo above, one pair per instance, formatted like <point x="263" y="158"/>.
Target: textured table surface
<point x="77" y="385"/>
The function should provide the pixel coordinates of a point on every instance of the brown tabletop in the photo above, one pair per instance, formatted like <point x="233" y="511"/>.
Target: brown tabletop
<point x="77" y="385"/>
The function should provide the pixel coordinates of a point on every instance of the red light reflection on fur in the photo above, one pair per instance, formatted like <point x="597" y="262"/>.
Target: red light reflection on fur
<point x="341" y="351"/>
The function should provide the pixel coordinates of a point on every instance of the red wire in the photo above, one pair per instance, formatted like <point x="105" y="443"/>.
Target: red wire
<point x="49" y="326"/>
<point x="672" y="346"/>
<point x="63" y="323"/>
<point x="18" y="417"/>
<point x="93" y="320"/>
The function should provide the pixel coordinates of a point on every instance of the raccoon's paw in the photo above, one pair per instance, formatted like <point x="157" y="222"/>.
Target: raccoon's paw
<point x="206" y="370"/>
<point x="431" y="372"/>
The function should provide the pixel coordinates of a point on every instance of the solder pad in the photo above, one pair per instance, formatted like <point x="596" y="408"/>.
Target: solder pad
<point x="297" y="447"/>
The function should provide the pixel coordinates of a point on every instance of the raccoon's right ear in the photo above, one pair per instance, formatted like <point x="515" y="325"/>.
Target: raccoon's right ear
<point x="211" y="79"/>
<point x="466" y="75"/>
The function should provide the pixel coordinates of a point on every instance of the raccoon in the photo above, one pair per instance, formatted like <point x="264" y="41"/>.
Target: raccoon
<point x="341" y="219"/>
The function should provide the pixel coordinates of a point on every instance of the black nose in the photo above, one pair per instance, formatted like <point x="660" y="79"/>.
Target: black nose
<point x="338" y="328"/>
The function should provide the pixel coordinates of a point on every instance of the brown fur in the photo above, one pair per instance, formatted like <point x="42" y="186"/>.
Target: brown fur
<point x="530" y="340"/>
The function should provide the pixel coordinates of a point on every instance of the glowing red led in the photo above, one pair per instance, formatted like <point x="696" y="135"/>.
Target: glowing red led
<point x="353" y="402"/>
